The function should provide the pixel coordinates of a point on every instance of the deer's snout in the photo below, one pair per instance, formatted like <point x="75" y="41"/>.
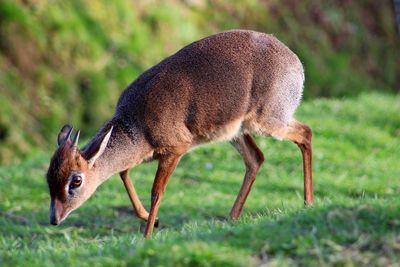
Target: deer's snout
<point x="53" y="220"/>
<point x="56" y="211"/>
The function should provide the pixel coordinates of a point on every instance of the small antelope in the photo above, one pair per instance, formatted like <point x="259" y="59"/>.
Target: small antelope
<point x="222" y="88"/>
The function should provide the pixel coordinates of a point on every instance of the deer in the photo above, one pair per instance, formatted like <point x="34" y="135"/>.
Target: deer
<point x="228" y="87"/>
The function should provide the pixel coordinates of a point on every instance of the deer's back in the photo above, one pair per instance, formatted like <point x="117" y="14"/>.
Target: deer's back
<point x="207" y="89"/>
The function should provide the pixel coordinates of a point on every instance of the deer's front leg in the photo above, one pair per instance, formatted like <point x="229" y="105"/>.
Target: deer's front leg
<point x="166" y="166"/>
<point x="133" y="196"/>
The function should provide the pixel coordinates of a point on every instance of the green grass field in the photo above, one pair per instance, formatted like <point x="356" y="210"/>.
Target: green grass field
<point x="355" y="220"/>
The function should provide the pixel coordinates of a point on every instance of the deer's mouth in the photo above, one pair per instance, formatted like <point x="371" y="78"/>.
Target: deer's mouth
<point x="57" y="212"/>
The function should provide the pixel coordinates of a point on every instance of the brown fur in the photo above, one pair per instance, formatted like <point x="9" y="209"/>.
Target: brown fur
<point x="62" y="164"/>
<point x="213" y="82"/>
<point x="222" y="87"/>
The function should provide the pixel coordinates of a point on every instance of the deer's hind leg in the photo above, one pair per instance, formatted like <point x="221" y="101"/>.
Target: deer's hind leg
<point x="253" y="158"/>
<point x="301" y="135"/>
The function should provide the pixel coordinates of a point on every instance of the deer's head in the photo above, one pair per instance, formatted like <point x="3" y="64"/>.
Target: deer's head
<point x="71" y="176"/>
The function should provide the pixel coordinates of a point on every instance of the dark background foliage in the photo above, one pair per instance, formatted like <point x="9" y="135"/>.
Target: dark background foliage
<point x="68" y="61"/>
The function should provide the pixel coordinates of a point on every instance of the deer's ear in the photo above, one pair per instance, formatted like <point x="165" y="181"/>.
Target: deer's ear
<point x="64" y="135"/>
<point x="98" y="148"/>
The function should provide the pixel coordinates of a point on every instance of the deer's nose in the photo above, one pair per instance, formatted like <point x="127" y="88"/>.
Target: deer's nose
<point x="54" y="212"/>
<point x="53" y="220"/>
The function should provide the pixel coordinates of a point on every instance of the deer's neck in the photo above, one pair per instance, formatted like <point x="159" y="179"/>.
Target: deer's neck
<point x="123" y="151"/>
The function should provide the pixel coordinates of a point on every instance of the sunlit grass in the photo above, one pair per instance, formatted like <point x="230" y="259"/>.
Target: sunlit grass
<point x="355" y="219"/>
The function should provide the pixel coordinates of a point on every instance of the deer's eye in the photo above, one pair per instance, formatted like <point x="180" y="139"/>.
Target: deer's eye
<point x="76" y="182"/>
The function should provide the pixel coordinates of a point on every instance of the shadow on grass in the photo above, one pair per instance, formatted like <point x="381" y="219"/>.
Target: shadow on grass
<point x="99" y="220"/>
<point x="364" y="233"/>
<point x="368" y="233"/>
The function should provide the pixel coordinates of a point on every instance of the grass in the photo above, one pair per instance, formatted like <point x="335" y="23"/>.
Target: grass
<point x="355" y="220"/>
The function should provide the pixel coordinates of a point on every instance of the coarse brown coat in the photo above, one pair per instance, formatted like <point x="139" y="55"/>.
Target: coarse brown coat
<point x="223" y="87"/>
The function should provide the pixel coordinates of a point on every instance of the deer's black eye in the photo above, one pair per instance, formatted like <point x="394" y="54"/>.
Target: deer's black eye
<point x="76" y="182"/>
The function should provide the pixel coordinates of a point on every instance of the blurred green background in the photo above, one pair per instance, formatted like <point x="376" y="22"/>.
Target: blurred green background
<point x="68" y="61"/>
